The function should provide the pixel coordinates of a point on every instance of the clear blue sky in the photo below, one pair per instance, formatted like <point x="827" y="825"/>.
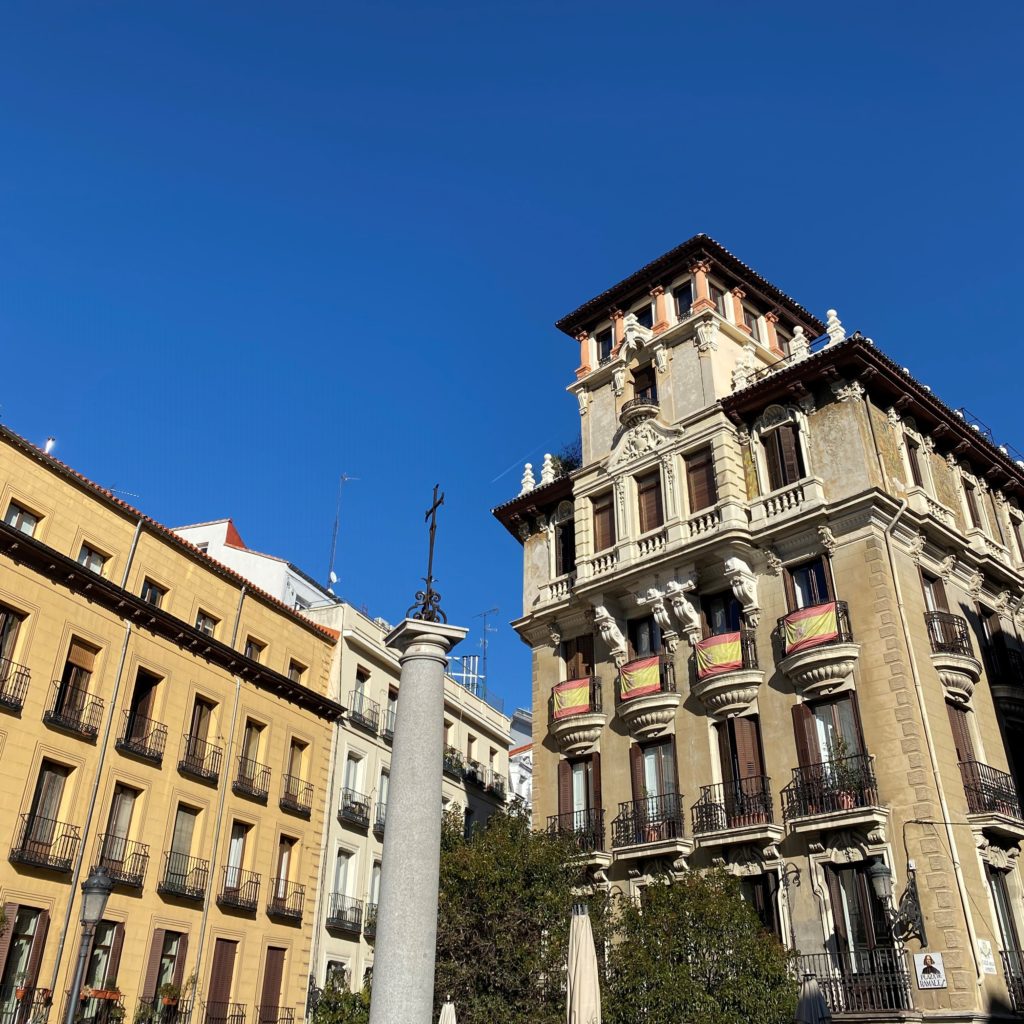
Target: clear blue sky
<point x="245" y="247"/>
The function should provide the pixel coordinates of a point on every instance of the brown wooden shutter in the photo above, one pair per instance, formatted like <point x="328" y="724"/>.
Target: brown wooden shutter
<point x="961" y="727"/>
<point x="806" y="738"/>
<point x="222" y="971"/>
<point x="116" y="945"/>
<point x="10" y="915"/>
<point x="564" y="787"/>
<point x="595" y="762"/>
<point x="179" y="960"/>
<point x="82" y="655"/>
<point x="636" y="771"/>
<point x="35" y="957"/>
<point x="748" y="746"/>
<point x="725" y="752"/>
<point x="273" y="971"/>
<point x="835" y="895"/>
<point x="790" y="451"/>
<point x="826" y="572"/>
<point x="604" y="523"/>
<point x="773" y="461"/>
<point x="700" y="480"/>
<point x="585" y="653"/>
<point x="153" y="965"/>
<point x="649" y="499"/>
<point x="914" y="458"/>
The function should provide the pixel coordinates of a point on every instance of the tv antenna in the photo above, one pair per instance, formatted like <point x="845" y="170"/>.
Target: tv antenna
<point x="332" y="576"/>
<point x="483" y="642"/>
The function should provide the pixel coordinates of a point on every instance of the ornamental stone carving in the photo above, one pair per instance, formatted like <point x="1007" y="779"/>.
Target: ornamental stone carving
<point x="845" y="391"/>
<point x="583" y="397"/>
<point x="619" y="379"/>
<point x="655" y="600"/>
<point x="744" y="587"/>
<point x="834" y="328"/>
<point x="1002" y="602"/>
<point x="610" y="634"/>
<point x="660" y="358"/>
<point x="547" y="471"/>
<point x="683" y="609"/>
<point x="773" y="561"/>
<point x="640" y="440"/>
<point x="799" y="346"/>
<point x="974" y="584"/>
<point x="745" y="369"/>
<point x="528" y="483"/>
<point x="946" y="567"/>
<point x="828" y="540"/>
<point x="635" y="337"/>
<point x="706" y="338"/>
<point x="555" y="635"/>
<point x="916" y="547"/>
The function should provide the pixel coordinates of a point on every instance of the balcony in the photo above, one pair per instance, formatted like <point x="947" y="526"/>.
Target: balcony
<point x="739" y="811"/>
<point x="252" y="780"/>
<point x="600" y="564"/>
<point x="818" y="649"/>
<point x="379" y="818"/>
<point x="370" y="921"/>
<point x="184" y="876"/>
<point x="223" y="1013"/>
<point x="239" y="890"/>
<point x="993" y="803"/>
<point x="45" y="843"/>
<point x="651" y="827"/>
<point x="476" y="773"/>
<point x="726" y="673"/>
<point x="75" y="711"/>
<point x="387" y="731"/>
<point x="1004" y="667"/>
<point x="575" y="715"/>
<point x="952" y="654"/>
<point x="454" y="764"/>
<point x="363" y="712"/>
<point x="786" y="503"/>
<point x="33" y="1006"/>
<point x="200" y="759"/>
<point x="286" y="899"/>
<point x="126" y="861"/>
<point x="14" y="680"/>
<point x="869" y="981"/>
<point x="558" y="589"/>
<point x="275" y="1015"/>
<point x="142" y="738"/>
<point x="647" y="697"/>
<point x="1013" y="971"/>
<point x="643" y="407"/>
<point x="97" y="1006"/>
<point x="354" y="809"/>
<point x="584" y="828"/>
<point x="156" y="1011"/>
<point x="296" y="796"/>
<point x="831" y="794"/>
<point x="496" y="784"/>
<point x="344" y="914"/>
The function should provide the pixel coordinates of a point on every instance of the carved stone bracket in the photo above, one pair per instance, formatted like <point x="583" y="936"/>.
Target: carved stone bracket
<point x="619" y="379"/>
<point x="773" y="561"/>
<point x="828" y="540"/>
<point x="744" y="586"/>
<point x="706" y="338"/>
<point x="844" y="391"/>
<point x="611" y="635"/>
<point x="684" y="610"/>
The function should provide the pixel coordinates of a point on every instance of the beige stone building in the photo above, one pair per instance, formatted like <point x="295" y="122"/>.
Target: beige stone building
<point x="164" y="719"/>
<point x="774" y="620"/>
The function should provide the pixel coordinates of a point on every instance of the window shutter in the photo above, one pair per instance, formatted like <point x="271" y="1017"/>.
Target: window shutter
<point x="914" y="459"/>
<point x="649" y="499"/>
<point x="82" y="655"/>
<point x="35" y="957"/>
<point x="179" y="960"/>
<point x="725" y="752"/>
<point x="961" y="727"/>
<point x="790" y="452"/>
<point x="564" y="787"/>
<point x="806" y="739"/>
<point x="700" y="480"/>
<point x="116" y="945"/>
<point x="773" y="461"/>
<point x="604" y="523"/>
<point x="826" y="573"/>
<point x="595" y="761"/>
<point x="222" y="971"/>
<point x="10" y="915"/>
<point x="565" y="548"/>
<point x="273" y="971"/>
<point x="835" y="896"/>
<point x="636" y="771"/>
<point x="153" y="964"/>
<point x="748" y="746"/>
<point x="585" y="654"/>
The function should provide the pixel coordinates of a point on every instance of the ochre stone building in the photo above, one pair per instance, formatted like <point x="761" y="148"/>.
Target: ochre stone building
<point x="774" y="620"/>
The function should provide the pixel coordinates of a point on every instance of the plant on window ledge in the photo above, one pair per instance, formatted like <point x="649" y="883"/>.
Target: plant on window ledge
<point x="844" y="775"/>
<point x="569" y="458"/>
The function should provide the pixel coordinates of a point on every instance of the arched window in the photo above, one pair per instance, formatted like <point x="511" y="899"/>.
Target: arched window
<point x="779" y="433"/>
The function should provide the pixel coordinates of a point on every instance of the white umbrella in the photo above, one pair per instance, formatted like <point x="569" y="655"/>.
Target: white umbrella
<point x="447" y="1013"/>
<point x="811" y="1007"/>
<point x="583" y="987"/>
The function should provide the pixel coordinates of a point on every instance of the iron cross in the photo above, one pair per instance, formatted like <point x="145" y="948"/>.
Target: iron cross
<point x="428" y="600"/>
<point x="431" y="514"/>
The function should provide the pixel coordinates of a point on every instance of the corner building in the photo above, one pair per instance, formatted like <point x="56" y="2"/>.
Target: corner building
<point x="775" y="624"/>
<point x="166" y="720"/>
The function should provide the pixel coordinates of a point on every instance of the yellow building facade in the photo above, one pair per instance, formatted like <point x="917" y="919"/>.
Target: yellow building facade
<point x="165" y="720"/>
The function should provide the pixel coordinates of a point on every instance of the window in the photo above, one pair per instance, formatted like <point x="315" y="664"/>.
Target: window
<point x="752" y="321"/>
<point x="101" y="966"/>
<point x="683" y="296"/>
<point x="700" y="480"/>
<point x="720" y="613"/>
<point x="301" y="603"/>
<point x="809" y="584"/>
<point x="251" y="738"/>
<point x="73" y="690"/>
<point x="605" y="343"/>
<point x="1018" y="534"/>
<point x="92" y="559"/>
<point x="740" y="757"/>
<point x="654" y="770"/>
<point x="21" y="519"/>
<point x="914" y="458"/>
<point x="206" y="623"/>
<point x="383" y="786"/>
<point x="579" y="791"/>
<point x="27" y="934"/>
<point x="718" y="298"/>
<point x="934" y="593"/>
<point x="470" y="747"/>
<point x="1004" y="908"/>
<point x="648" y="493"/>
<point x="827" y="730"/>
<point x="10" y="623"/>
<point x="285" y="863"/>
<point x="119" y="823"/>
<point x="342" y="873"/>
<point x="236" y="854"/>
<point x="960" y="724"/>
<point x="140" y="708"/>
<point x="761" y="892"/>
<point x="254" y="649"/>
<point x="375" y="883"/>
<point x="973" y="511"/>
<point x="337" y="974"/>
<point x="46" y="804"/>
<point x="858" y="915"/>
<point x="604" y="521"/>
<point x="644" y="384"/>
<point x="578" y="655"/>
<point x="353" y="771"/>
<point x="565" y="547"/>
<point x="171" y="946"/>
<point x="152" y="594"/>
<point x="645" y="315"/>
<point x="783" y="339"/>
<point x="295" y="671"/>
<point x="199" y="726"/>
<point x="644" y="637"/>
<point x="783" y="457"/>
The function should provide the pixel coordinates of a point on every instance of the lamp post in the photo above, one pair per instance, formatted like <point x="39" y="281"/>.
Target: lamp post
<point x="906" y="918"/>
<point x="95" y="890"/>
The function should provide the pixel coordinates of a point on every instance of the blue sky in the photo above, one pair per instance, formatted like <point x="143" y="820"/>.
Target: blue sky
<point x="248" y="247"/>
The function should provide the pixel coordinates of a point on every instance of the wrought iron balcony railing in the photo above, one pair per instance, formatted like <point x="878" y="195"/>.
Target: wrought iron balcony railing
<point x="948" y="634"/>
<point x="223" y="1013"/>
<point x="239" y="889"/>
<point x="644" y="676"/>
<point x="1013" y="971"/>
<point x="861" y="981"/>
<point x="476" y="773"/>
<point x="200" y="759"/>
<point x="275" y="1015"/>
<point x="725" y="652"/>
<point x="354" y="808"/>
<point x="14" y="680"/>
<point x="125" y="860"/>
<point x="387" y="731"/>
<point x="575" y="697"/>
<point x="142" y="737"/>
<point x="1004" y="665"/>
<point x="379" y="817"/>
<point x="156" y="1011"/>
<point x="252" y="780"/>
<point x="184" y="876"/>
<point x="585" y="828"/>
<point x="653" y="819"/>
<point x="816" y="626"/>
<point x="363" y="712"/>
<point x="454" y="763"/>
<point x="74" y="710"/>
<point x="286" y="899"/>
<point x="990" y="791"/>
<point x="105" y="1008"/>
<point x="496" y="784"/>
<point x="370" y="920"/>
<point x="45" y="843"/>
<point x="829" y="787"/>
<point x="296" y="795"/>
<point x="344" y="913"/>
<point x="33" y="1006"/>
<point x="740" y="803"/>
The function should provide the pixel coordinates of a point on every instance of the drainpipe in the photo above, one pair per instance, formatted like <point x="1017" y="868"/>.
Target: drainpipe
<point x="221" y="796"/>
<point x="961" y="885"/>
<point x="131" y="554"/>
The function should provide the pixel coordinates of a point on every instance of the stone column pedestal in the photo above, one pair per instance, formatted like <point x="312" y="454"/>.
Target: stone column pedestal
<point x="403" y="967"/>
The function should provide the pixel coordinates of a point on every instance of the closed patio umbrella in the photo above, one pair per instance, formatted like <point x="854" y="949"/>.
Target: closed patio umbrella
<point x="447" y="1013"/>
<point x="583" y="987"/>
<point x="811" y="1007"/>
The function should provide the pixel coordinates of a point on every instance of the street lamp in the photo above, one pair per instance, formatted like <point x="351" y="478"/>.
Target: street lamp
<point x="904" y="919"/>
<point x="95" y="890"/>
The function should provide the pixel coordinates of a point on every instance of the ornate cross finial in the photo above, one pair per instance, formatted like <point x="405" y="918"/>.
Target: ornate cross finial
<point x="428" y="600"/>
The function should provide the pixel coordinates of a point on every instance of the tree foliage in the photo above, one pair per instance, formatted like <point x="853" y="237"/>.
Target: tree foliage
<point x="693" y="950"/>
<point x="337" y="1005"/>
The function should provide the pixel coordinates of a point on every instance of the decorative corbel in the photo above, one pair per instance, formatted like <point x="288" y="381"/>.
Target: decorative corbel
<point x="655" y="600"/>
<point x="706" y="338"/>
<point x="744" y="586"/>
<point x="974" y="584"/>
<point x="611" y="635"/>
<point x="619" y="379"/>
<point x="555" y="635"/>
<point x="828" y="540"/>
<point x="772" y="561"/>
<point x="583" y="397"/>
<point x="916" y="547"/>
<point x="847" y="391"/>
<point x="947" y="567"/>
<point x="660" y="358"/>
<point x="684" y="610"/>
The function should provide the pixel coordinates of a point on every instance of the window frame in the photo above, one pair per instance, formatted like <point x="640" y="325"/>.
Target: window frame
<point x="203" y="617"/>
<point x="599" y="503"/>
<point x="87" y="553"/>
<point x="646" y="482"/>
<point x="16" y="520"/>
<point x="149" y="584"/>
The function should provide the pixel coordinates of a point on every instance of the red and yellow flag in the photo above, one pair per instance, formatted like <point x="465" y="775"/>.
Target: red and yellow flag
<point x="719" y="654"/>
<point x="571" y="698"/>
<point x="640" y="677"/>
<point x="811" y="626"/>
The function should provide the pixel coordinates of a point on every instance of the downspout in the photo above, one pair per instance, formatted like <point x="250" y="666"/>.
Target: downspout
<point x="131" y="554"/>
<point x="961" y="885"/>
<point x="221" y="794"/>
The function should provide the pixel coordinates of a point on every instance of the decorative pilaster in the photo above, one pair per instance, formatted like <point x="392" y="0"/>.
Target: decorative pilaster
<point x="619" y="327"/>
<point x="738" y="295"/>
<point x="702" y="300"/>
<point x="660" y="313"/>
<point x="584" y="368"/>
<point x="771" y="318"/>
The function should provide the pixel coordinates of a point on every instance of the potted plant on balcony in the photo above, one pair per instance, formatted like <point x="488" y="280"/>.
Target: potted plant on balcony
<point x="844" y="774"/>
<point x="20" y="986"/>
<point x="169" y="993"/>
<point x="109" y="991"/>
<point x="116" y="1014"/>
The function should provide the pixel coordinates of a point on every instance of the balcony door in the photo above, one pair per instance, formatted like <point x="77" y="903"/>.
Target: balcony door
<point x="741" y="761"/>
<point x="827" y="730"/>
<point x="26" y="936"/>
<point x="119" y="821"/>
<point x="199" y="731"/>
<point x="644" y="637"/>
<point x="270" y="994"/>
<point x="578" y="655"/>
<point x="809" y="584"/>
<point x="10" y="623"/>
<point x="250" y="750"/>
<point x="1008" y="934"/>
<point x="45" y="808"/>
<point x="102" y="966"/>
<point x="236" y="855"/>
<point x="934" y="593"/>
<point x="720" y="613"/>
<point x="218" y="996"/>
<point x="178" y="861"/>
<point x="858" y="915"/>
<point x="73" y="688"/>
<point x="140" y="710"/>
<point x="284" y="866"/>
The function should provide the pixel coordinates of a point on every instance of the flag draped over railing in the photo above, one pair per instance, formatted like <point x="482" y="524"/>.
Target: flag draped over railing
<point x="809" y="627"/>
<point x="640" y="677"/>
<point x="571" y="698"/>
<point x="717" y="654"/>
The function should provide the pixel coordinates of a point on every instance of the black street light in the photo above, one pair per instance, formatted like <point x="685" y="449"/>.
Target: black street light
<point x="95" y="890"/>
<point x="906" y="918"/>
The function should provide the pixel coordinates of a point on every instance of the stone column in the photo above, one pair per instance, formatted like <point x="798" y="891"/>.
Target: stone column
<point x="584" y="368"/>
<point x="738" y="295"/>
<point x="403" y="967"/>
<point x="702" y="294"/>
<point x="660" y="311"/>
<point x="619" y="325"/>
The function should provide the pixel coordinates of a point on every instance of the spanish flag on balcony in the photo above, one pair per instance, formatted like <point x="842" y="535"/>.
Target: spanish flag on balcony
<point x="718" y="654"/>
<point x="571" y="698"/>
<point x="811" y="626"/>
<point x="640" y="677"/>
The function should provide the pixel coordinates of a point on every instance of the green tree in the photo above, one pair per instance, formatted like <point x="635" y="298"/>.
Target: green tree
<point x="692" y="950"/>
<point x="337" y="1005"/>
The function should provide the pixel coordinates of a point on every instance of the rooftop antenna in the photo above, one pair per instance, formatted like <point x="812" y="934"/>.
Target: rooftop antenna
<point x="483" y="642"/>
<point x="332" y="576"/>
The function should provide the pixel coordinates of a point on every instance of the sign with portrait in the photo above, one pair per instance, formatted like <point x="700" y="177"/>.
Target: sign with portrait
<point x="930" y="971"/>
<point x="987" y="956"/>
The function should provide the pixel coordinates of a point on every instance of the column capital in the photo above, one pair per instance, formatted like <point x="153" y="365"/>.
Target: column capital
<point x="772" y="316"/>
<point x="700" y="267"/>
<point x="417" y="638"/>
<point x="656" y="290"/>
<point x="739" y="292"/>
